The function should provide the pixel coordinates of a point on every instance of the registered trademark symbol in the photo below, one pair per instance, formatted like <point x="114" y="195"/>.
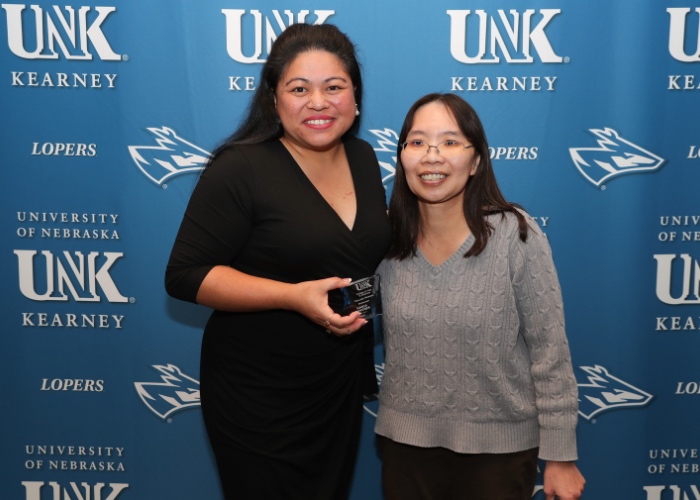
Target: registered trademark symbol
<point x="567" y="60"/>
<point x="125" y="57"/>
<point x="164" y="186"/>
<point x="132" y="300"/>
<point x="603" y="187"/>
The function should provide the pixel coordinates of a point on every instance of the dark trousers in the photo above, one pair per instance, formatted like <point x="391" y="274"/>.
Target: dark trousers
<point x="414" y="473"/>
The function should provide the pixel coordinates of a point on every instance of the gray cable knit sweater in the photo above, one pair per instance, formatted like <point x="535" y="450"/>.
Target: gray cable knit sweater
<point x="477" y="359"/>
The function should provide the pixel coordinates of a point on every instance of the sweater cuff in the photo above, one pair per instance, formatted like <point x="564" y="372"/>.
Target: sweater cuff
<point x="558" y="445"/>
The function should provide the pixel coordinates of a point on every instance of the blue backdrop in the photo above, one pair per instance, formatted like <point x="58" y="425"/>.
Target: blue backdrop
<point x="109" y="110"/>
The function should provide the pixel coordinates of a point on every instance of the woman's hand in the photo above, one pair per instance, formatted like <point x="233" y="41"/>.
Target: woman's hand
<point x="228" y="289"/>
<point x="562" y="481"/>
<point x="311" y="300"/>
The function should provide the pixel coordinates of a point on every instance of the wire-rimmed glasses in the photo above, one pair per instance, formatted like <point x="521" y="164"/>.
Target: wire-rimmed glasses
<point x="447" y="148"/>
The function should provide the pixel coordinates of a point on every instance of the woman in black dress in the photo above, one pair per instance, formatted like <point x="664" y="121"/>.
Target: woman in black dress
<point x="289" y="208"/>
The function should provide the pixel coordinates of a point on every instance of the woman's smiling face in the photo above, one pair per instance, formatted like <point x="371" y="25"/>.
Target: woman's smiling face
<point x="315" y="100"/>
<point x="434" y="177"/>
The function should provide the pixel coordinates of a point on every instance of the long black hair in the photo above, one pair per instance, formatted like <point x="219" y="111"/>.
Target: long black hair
<point x="482" y="195"/>
<point x="262" y="122"/>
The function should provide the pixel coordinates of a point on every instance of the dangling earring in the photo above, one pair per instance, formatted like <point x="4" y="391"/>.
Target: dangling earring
<point x="357" y="110"/>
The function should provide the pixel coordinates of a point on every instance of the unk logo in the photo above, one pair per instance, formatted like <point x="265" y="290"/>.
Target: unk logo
<point x="386" y="146"/>
<point x="172" y="156"/>
<point x="83" y="490"/>
<point x="688" y="270"/>
<point x="605" y="392"/>
<point x="79" y="276"/>
<point x="614" y="156"/>
<point x="52" y="31"/>
<point x="515" y="38"/>
<point x="678" y="30"/>
<point x="175" y="393"/>
<point x="675" y="492"/>
<point x="262" y="31"/>
<point x="371" y="404"/>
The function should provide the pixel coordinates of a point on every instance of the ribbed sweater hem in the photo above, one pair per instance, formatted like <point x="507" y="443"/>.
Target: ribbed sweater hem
<point x="463" y="436"/>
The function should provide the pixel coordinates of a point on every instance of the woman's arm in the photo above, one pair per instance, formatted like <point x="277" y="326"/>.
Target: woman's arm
<point x="228" y="289"/>
<point x="541" y="314"/>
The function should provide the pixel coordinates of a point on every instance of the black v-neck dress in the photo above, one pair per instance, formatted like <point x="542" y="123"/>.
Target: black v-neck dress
<point x="282" y="400"/>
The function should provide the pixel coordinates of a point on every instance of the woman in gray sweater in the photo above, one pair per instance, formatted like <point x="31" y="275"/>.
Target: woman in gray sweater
<point x="478" y="380"/>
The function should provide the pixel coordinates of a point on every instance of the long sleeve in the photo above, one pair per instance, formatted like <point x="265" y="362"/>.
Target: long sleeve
<point x="541" y="313"/>
<point x="215" y="227"/>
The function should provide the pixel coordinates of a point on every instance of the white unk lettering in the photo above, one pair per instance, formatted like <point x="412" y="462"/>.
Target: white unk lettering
<point x="33" y="490"/>
<point x="79" y="276"/>
<point x="234" y="31"/>
<point x="690" y="277"/>
<point x="655" y="493"/>
<point x="68" y="31"/>
<point x="677" y="34"/>
<point x="520" y="36"/>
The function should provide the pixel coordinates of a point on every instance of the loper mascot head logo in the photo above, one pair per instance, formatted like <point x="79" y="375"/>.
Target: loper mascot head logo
<point x="176" y="392"/>
<point x="172" y="156"/>
<point x="387" y="143"/>
<point x="604" y="392"/>
<point x="614" y="156"/>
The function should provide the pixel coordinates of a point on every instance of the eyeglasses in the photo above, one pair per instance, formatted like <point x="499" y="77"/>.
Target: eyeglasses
<point x="448" y="148"/>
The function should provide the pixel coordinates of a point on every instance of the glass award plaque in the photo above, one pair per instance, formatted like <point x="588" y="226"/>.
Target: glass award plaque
<point x="362" y="295"/>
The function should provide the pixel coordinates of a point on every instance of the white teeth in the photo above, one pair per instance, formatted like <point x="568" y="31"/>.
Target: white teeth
<point x="432" y="177"/>
<point x="318" y="122"/>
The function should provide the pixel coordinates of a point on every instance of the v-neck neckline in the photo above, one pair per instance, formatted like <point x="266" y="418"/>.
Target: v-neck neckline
<point x="312" y="186"/>
<point x="458" y="254"/>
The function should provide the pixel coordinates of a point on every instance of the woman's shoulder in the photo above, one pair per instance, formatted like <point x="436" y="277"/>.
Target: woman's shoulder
<point x="507" y="224"/>
<point x="505" y="220"/>
<point x="229" y="168"/>
<point x="234" y="151"/>
<point x="243" y="156"/>
<point x="355" y="144"/>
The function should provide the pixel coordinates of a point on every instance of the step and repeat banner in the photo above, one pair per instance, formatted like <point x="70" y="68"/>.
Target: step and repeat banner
<point x="109" y="110"/>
